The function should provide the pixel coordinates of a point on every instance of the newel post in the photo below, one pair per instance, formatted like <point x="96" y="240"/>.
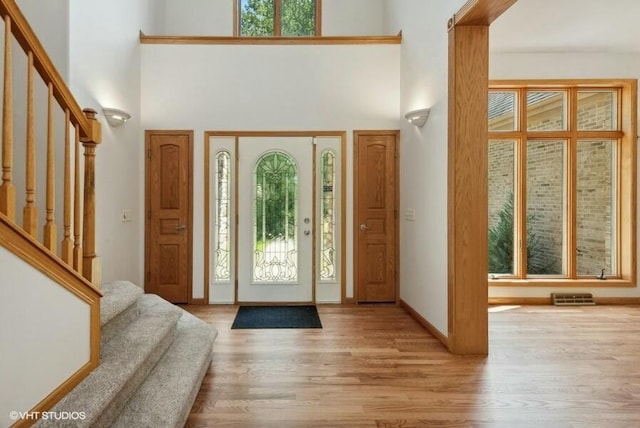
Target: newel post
<point x="91" y="261"/>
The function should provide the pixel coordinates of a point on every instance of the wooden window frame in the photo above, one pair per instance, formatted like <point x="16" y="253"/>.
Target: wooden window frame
<point x="626" y="186"/>
<point x="277" y="31"/>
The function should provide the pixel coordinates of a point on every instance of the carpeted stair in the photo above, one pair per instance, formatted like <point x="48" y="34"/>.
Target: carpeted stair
<point x="153" y="358"/>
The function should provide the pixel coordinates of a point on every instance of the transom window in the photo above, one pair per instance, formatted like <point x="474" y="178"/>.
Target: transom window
<point x="561" y="182"/>
<point x="273" y="18"/>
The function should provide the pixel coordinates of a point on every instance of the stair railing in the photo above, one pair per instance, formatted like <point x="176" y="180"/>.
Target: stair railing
<point x="78" y="246"/>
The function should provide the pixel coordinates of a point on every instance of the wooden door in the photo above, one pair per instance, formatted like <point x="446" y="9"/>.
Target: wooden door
<point x="168" y="226"/>
<point x="376" y="219"/>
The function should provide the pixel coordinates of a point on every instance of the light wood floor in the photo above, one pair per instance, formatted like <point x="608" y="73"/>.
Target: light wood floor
<point x="375" y="366"/>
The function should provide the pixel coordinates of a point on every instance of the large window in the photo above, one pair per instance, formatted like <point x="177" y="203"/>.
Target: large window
<point x="562" y="183"/>
<point x="285" y="18"/>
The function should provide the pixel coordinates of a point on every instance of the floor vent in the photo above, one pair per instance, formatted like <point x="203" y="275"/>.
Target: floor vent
<point x="568" y="299"/>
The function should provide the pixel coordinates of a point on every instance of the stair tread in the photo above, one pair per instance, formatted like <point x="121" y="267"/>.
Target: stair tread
<point x="125" y="362"/>
<point x="182" y="367"/>
<point x="118" y="296"/>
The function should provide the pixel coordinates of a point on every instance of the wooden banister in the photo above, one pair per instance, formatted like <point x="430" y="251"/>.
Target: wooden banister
<point x="50" y="225"/>
<point x="77" y="225"/>
<point x="30" y="212"/>
<point x="67" y="243"/>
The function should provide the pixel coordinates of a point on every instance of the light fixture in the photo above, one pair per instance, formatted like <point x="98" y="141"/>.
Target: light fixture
<point x="115" y="117"/>
<point x="418" y="117"/>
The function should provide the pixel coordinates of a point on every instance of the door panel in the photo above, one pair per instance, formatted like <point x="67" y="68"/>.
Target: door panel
<point x="275" y="219"/>
<point x="376" y="202"/>
<point x="168" y="263"/>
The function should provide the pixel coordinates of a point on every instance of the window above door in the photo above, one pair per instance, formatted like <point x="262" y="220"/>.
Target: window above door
<point x="277" y="18"/>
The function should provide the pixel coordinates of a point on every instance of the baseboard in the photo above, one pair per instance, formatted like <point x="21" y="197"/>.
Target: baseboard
<point x="200" y="301"/>
<point x="426" y="324"/>
<point x="531" y="301"/>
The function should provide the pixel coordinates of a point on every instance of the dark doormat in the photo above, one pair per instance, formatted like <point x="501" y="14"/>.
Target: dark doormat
<point x="277" y="317"/>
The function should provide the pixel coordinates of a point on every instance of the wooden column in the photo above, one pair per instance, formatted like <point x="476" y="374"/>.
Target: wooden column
<point x="67" y="243"/>
<point x="77" y="211"/>
<point x="91" y="262"/>
<point x="467" y="181"/>
<point x="7" y="189"/>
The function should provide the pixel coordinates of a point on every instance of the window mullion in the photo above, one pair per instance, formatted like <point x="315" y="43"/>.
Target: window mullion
<point x="277" y="18"/>
<point x="520" y="204"/>
<point x="571" y="253"/>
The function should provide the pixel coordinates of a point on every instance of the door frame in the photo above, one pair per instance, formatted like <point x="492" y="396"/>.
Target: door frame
<point x="356" y="235"/>
<point x="207" y="195"/>
<point x="147" y="207"/>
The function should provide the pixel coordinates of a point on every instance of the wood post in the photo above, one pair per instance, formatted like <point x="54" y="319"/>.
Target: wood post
<point x="67" y="244"/>
<point x="30" y="212"/>
<point x="77" y="211"/>
<point x="91" y="262"/>
<point x="7" y="189"/>
<point x="50" y="231"/>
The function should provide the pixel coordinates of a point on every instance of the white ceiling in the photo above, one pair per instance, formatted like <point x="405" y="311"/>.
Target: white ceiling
<point x="568" y="26"/>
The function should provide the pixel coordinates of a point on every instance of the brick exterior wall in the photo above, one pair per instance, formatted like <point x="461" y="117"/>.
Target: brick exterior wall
<point x="545" y="183"/>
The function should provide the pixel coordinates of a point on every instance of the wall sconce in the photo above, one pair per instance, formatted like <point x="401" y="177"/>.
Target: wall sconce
<point x="418" y="117"/>
<point x="115" y="117"/>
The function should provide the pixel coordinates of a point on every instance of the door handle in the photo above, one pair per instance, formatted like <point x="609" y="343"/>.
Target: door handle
<point x="364" y="227"/>
<point x="181" y="227"/>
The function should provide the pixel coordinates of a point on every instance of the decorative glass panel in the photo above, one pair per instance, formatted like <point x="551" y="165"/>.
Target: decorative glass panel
<point x="275" y="254"/>
<point x="222" y="235"/>
<point x="545" y="207"/>
<point x="547" y="111"/>
<point x="596" y="212"/>
<point x="501" y="212"/>
<point x="502" y="111"/>
<point x="328" y="225"/>
<point x="597" y="110"/>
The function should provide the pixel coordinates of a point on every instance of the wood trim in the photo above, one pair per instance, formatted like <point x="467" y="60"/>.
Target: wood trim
<point x="426" y="324"/>
<point x="531" y="301"/>
<point x="314" y="216"/>
<point x="202" y="301"/>
<point x="343" y="219"/>
<point x="467" y="190"/>
<point x="562" y="282"/>
<point x="147" y="183"/>
<point x="226" y="40"/>
<point x="480" y="12"/>
<point x="207" y="223"/>
<point x="356" y="134"/>
<point x="318" y="18"/>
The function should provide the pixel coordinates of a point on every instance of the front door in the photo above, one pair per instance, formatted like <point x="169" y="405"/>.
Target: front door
<point x="275" y="219"/>
<point x="376" y="205"/>
<point x="168" y="230"/>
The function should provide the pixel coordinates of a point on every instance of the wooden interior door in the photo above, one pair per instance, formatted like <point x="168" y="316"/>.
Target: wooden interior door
<point x="168" y="226"/>
<point x="376" y="206"/>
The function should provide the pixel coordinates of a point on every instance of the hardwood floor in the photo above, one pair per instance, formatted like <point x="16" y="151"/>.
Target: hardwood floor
<point x="375" y="366"/>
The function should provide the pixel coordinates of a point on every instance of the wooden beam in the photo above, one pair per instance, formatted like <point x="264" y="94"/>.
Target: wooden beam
<point x="467" y="190"/>
<point x="480" y="12"/>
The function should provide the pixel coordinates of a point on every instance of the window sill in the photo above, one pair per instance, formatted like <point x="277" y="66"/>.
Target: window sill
<point x="556" y="282"/>
<point x="231" y="40"/>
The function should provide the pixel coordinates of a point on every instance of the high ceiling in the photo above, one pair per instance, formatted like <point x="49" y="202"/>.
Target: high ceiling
<point x="568" y="26"/>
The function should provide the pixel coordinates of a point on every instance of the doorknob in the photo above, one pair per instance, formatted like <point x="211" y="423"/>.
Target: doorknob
<point x="364" y="227"/>
<point x="181" y="227"/>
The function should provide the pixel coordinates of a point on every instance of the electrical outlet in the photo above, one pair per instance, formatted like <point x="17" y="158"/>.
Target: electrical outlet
<point x="125" y="216"/>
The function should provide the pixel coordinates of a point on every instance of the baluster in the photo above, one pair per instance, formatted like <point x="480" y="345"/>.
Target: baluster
<point x="67" y="244"/>
<point x="91" y="262"/>
<point x="77" y="215"/>
<point x="30" y="212"/>
<point x="50" y="226"/>
<point x="7" y="189"/>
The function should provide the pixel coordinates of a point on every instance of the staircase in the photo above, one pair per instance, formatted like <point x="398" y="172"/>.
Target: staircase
<point x="153" y="358"/>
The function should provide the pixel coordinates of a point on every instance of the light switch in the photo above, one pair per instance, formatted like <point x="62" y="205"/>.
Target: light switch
<point x="410" y="215"/>
<point x="125" y="216"/>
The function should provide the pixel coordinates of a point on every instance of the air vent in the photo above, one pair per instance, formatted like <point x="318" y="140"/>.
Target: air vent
<point x="572" y="299"/>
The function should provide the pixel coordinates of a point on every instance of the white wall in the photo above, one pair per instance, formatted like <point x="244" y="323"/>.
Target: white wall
<point x="105" y="72"/>
<point x="266" y="88"/>
<point x="423" y="155"/>
<point x="564" y="66"/>
<point x="44" y="332"/>
<point x="215" y="18"/>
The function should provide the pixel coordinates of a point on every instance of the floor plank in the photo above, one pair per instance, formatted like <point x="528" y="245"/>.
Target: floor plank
<point x="373" y="366"/>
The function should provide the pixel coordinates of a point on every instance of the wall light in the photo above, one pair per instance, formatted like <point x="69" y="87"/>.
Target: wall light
<point x="418" y="117"/>
<point x="115" y="117"/>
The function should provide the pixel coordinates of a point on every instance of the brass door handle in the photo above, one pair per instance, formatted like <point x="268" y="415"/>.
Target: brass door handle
<point x="181" y="227"/>
<point x="364" y="227"/>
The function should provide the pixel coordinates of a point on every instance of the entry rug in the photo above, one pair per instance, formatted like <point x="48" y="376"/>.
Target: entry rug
<point x="249" y="317"/>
